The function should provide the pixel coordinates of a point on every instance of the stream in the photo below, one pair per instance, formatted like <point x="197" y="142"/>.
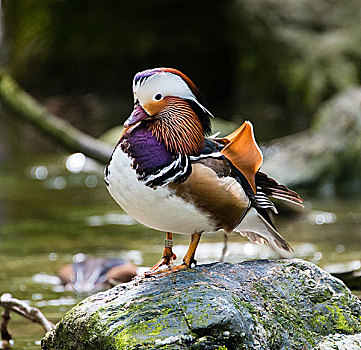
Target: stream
<point x="55" y="210"/>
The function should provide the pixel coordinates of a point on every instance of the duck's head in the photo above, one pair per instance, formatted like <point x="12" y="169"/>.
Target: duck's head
<point x="166" y="94"/>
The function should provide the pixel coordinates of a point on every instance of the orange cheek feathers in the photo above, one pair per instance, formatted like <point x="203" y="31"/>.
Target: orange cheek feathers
<point x="154" y="107"/>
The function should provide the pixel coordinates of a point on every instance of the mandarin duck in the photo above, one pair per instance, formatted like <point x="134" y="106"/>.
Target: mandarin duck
<point x="167" y="174"/>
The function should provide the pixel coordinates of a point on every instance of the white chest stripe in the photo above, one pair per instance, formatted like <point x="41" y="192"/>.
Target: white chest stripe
<point x="173" y="172"/>
<point x="210" y="155"/>
<point x="186" y="168"/>
<point x="163" y="171"/>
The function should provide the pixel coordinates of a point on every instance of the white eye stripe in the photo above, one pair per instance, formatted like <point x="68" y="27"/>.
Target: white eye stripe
<point x="166" y="84"/>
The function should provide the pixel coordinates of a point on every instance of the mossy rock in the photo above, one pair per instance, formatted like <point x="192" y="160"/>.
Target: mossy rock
<point x="259" y="304"/>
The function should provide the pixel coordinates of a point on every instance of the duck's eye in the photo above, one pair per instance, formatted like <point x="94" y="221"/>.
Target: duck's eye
<point x="158" y="97"/>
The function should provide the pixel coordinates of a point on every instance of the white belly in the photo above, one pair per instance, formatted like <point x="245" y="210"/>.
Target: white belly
<point x="157" y="208"/>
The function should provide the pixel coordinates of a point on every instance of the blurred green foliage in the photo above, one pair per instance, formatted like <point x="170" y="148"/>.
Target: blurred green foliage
<point x="72" y="46"/>
<point x="269" y="61"/>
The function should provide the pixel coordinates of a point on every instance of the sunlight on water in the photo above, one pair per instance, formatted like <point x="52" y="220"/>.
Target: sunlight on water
<point x="110" y="219"/>
<point x="75" y="163"/>
<point x="322" y="217"/>
<point x="39" y="172"/>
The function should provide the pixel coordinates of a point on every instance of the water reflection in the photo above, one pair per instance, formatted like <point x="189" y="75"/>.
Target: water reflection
<point x="353" y="217"/>
<point x="39" y="172"/>
<point x="343" y="267"/>
<point x="322" y="217"/>
<point x="110" y="219"/>
<point x="44" y="278"/>
<point x="91" y="181"/>
<point x="75" y="162"/>
<point x="58" y="175"/>
<point x="57" y="183"/>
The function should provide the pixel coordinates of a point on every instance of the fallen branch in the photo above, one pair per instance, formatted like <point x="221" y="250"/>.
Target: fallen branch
<point x="20" y="307"/>
<point x="25" y="106"/>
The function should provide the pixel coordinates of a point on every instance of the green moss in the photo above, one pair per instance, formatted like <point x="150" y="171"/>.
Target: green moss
<point x="72" y="331"/>
<point x="131" y="335"/>
<point x="285" y="319"/>
<point x="342" y="325"/>
<point x="332" y="319"/>
<point x="199" y="313"/>
<point x="141" y="323"/>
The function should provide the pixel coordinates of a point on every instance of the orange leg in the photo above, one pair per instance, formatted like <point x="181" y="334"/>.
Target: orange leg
<point x="188" y="259"/>
<point x="168" y="255"/>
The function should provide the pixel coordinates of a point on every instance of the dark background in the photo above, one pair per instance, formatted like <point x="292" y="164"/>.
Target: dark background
<point x="272" y="62"/>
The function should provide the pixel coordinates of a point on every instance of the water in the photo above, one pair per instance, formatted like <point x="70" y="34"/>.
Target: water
<point x="52" y="212"/>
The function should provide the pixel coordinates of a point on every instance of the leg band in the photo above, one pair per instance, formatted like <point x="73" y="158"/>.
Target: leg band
<point x="168" y="243"/>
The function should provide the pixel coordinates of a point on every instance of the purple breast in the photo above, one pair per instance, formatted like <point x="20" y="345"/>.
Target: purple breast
<point x="147" y="153"/>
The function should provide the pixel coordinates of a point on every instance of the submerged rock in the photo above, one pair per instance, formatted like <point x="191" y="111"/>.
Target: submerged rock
<point x="259" y="304"/>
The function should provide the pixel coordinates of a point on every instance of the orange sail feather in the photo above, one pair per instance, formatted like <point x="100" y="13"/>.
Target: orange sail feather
<point x="242" y="150"/>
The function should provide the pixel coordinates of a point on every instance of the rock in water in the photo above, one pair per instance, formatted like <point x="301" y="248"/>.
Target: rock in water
<point x="259" y="304"/>
<point x="326" y="156"/>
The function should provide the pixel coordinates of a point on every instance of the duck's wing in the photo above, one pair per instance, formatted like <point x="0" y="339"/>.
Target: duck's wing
<point x="213" y="188"/>
<point x="258" y="230"/>
<point x="273" y="189"/>
<point x="226" y="194"/>
<point x="241" y="149"/>
<point x="245" y="158"/>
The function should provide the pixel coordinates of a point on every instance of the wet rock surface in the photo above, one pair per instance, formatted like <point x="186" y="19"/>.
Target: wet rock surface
<point x="340" y="342"/>
<point x="259" y="304"/>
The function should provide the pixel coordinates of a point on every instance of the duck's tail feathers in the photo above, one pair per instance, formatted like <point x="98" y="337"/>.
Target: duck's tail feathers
<point x="259" y="231"/>
<point x="275" y="190"/>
